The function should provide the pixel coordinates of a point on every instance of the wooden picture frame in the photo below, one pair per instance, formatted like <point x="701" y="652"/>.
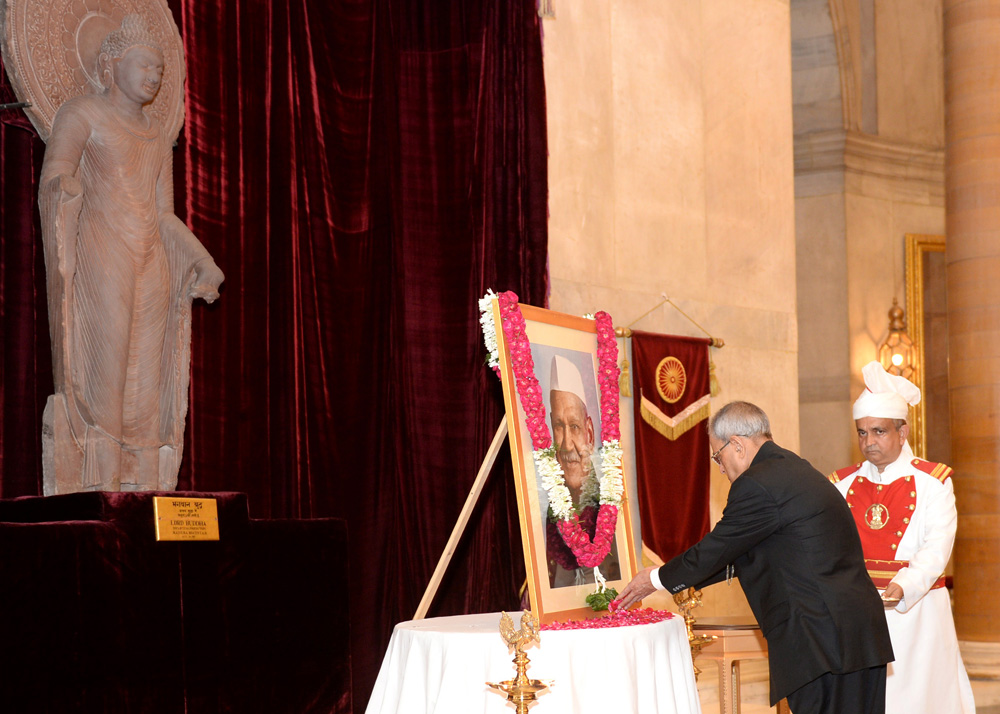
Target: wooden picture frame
<point x="575" y="340"/>
<point x="927" y="325"/>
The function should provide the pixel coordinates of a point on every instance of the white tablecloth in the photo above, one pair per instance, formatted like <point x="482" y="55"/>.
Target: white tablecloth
<point x="441" y="665"/>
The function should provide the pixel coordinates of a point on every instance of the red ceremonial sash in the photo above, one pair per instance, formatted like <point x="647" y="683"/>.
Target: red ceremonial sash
<point x="883" y="571"/>
<point x="882" y="513"/>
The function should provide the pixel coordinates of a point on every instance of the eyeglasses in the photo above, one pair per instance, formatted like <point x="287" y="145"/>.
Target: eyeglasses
<point x="715" y="456"/>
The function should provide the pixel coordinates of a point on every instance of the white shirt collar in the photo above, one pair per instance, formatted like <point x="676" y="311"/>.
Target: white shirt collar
<point x="898" y="468"/>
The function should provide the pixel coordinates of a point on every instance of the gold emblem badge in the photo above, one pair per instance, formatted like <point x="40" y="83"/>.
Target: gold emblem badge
<point x="671" y="379"/>
<point x="877" y="516"/>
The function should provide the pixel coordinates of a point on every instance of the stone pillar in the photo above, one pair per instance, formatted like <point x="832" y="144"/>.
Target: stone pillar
<point x="972" y="184"/>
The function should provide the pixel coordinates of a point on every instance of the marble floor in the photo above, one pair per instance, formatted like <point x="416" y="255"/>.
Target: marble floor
<point x="754" y="696"/>
<point x="753" y="687"/>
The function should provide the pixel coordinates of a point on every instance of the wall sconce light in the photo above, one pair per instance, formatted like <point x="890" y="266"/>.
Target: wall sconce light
<point x="896" y="353"/>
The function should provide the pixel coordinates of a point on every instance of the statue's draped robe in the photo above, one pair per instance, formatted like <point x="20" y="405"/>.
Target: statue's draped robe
<point x="118" y="273"/>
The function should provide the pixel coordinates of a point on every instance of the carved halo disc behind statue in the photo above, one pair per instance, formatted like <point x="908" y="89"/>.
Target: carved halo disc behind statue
<point x="60" y="61"/>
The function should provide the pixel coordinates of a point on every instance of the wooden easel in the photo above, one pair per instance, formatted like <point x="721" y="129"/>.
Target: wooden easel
<point x="463" y="520"/>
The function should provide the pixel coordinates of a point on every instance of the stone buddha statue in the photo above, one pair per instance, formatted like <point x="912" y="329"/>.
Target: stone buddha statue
<point x="122" y="270"/>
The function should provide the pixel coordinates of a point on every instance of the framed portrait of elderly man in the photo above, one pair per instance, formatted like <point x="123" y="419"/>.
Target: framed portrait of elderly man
<point x="560" y="385"/>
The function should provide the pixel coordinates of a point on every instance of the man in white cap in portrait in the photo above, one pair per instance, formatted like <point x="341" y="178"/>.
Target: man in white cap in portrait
<point x="904" y="508"/>
<point x="574" y="438"/>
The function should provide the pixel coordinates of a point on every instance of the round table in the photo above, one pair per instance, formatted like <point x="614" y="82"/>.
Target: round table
<point x="441" y="665"/>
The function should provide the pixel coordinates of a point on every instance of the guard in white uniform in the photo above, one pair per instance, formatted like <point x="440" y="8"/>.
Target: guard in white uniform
<point x="904" y="508"/>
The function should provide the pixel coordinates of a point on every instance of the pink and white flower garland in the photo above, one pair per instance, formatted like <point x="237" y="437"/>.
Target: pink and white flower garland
<point x="589" y="552"/>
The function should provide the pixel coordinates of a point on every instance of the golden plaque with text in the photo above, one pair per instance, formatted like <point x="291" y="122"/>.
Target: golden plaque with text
<point x="185" y="518"/>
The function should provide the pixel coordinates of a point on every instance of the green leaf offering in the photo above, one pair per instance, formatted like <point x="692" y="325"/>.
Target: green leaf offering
<point x="599" y="600"/>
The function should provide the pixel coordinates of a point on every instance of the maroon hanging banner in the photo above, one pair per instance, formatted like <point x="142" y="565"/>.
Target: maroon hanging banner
<point x="671" y="393"/>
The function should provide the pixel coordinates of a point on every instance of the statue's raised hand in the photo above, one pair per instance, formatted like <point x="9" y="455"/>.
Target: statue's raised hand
<point x="207" y="279"/>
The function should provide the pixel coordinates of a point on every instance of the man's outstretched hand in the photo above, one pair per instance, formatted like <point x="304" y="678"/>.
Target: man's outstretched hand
<point x="640" y="587"/>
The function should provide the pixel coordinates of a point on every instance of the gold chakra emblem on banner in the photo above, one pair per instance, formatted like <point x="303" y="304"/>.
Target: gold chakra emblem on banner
<point x="877" y="516"/>
<point x="671" y="379"/>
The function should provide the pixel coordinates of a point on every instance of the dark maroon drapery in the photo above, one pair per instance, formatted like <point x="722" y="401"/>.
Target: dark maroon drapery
<point x="26" y="364"/>
<point x="362" y="171"/>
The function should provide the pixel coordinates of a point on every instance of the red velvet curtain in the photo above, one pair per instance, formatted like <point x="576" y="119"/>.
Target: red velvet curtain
<point x="26" y="364"/>
<point x="362" y="170"/>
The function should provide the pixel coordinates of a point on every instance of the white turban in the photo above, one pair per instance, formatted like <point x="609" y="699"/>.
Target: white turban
<point x="886" y="396"/>
<point x="566" y="378"/>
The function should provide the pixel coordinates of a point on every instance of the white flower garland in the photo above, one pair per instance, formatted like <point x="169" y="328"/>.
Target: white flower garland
<point x="550" y="473"/>
<point x="489" y="328"/>
<point x="590" y="492"/>
<point x="551" y="476"/>
<point x="612" y="485"/>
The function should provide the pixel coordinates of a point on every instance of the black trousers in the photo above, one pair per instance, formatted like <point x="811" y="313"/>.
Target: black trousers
<point x="861" y="692"/>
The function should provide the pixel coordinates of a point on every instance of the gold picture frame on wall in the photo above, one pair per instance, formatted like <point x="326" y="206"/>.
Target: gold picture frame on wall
<point x="928" y="329"/>
<point x="553" y="336"/>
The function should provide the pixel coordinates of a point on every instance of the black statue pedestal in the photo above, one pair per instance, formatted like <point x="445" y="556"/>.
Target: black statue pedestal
<point x="98" y="616"/>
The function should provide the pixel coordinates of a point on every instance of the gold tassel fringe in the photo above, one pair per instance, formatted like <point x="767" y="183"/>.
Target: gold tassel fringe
<point x="673" y="428"/>
<point x="713" y="381"/>
<point x="625" y="379"/>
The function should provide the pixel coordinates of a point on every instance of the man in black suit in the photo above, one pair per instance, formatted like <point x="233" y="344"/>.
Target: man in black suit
<point x="788" y="535"/>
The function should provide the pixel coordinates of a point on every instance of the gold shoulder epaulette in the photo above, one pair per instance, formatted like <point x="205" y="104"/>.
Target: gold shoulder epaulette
<point x="942" y="472"/>
<point x="844" y="472"/>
